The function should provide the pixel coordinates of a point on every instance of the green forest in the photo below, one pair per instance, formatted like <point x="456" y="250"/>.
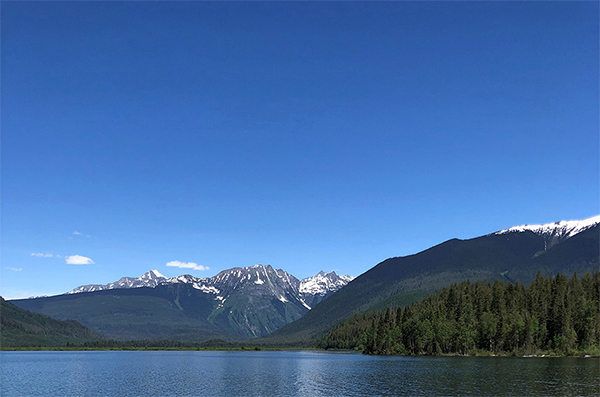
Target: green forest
<point x="554" y="315"/>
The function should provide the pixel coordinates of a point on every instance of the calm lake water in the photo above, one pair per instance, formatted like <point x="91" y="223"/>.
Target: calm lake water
<point x="288" y="373"/>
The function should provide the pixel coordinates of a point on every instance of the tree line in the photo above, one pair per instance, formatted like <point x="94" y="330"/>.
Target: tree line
<point x="558" y="315"/>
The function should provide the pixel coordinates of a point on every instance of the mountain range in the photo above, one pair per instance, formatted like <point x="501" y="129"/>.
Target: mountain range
<point x="308" y="291"/>
<point x="242" y="302"/>
<point x="271" y="304"/>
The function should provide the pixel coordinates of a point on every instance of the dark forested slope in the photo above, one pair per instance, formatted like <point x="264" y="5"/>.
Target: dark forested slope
<point x="557" y="314"/>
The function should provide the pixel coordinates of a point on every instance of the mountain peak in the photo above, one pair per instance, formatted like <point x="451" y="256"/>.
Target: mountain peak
<point x="153" y="274"/>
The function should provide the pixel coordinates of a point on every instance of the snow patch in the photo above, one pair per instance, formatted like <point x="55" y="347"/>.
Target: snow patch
<point x="204" y="288"/>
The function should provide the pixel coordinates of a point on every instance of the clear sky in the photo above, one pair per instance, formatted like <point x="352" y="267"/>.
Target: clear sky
<point x="306" y="135"/>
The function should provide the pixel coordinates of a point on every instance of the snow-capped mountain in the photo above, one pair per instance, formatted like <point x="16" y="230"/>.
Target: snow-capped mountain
<point x="276" y="282"/>
<point x="316" y="288"/>
<point x="149" y="279"/>
<point x="322" y="283"/>
<point x="556" y="232"/>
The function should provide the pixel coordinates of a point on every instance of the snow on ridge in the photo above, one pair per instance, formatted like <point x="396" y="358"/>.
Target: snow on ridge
<point x="282" y="284"/>
<point x="87" y="288"/>
<point x="148" y="279"/>
<point x="564" y="229"/>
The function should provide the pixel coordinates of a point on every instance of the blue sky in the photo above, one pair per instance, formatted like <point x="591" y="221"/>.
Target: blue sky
<point x="307" y="136"/>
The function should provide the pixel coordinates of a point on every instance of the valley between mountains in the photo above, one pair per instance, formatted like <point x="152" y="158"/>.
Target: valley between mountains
<point x="275" y="308"/>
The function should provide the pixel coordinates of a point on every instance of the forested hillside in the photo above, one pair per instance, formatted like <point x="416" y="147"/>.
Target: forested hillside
<point x="559" y="314"/>
<point x="510" y="255"/>
<point x="19" y="327"/>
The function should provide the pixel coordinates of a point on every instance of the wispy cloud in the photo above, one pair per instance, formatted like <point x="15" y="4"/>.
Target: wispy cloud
<point x="76" y="233"/>
<point x="78" y="260"/>
<point x="42" y="255"/>
<point x="187" y="265"/>
<point x="15" y="269"/>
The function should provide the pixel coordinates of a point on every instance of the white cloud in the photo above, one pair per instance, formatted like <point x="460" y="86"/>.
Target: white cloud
<point x="187" y="265"/>
<point x="78" y="260"/>
<point x="76" y="233"/>
<point x="15" y="269"/>
<point x="41" y="255"/>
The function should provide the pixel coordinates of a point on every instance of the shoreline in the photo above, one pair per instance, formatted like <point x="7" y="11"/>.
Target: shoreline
<point x="255" y="349"/>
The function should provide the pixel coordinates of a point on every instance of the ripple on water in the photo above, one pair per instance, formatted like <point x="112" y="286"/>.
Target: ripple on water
<point x="288" y="374"/>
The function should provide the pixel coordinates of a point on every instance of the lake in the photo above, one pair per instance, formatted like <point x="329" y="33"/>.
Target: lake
<point x="288" y="373"/>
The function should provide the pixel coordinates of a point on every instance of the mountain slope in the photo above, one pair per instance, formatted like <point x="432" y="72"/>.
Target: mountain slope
<point x="256" y="300"/>
<point x="515" y="255"/>
<point x="19" y="327"/>
<point x="175" y="312"/>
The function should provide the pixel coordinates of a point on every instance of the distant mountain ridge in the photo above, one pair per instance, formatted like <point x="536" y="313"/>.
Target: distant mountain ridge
<point x="308" y="291"/>
<point x="150" y="279"/>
